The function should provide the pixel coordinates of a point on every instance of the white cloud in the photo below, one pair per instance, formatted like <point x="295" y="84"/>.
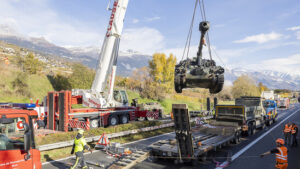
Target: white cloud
<point x="298" y="34"/>
<point x="135" y="21"/>
<point x="36" y="18"/>
<point x="260" y="38"/>
<point x="145" y="40"/>
<point x="293" y="28"/>
<point x="288" y="64"/>
<point x="152" y="19"/>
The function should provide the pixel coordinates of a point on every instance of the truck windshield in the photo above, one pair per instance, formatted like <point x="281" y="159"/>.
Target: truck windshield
<point x="12" y="135"/>
<point x="269" y="104"/>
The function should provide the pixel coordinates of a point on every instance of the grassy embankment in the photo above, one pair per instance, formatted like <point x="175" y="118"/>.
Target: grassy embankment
<point x="38" y="85"/>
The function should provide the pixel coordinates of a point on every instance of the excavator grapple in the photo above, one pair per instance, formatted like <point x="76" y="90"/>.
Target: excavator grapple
<point x="198" y="72"/>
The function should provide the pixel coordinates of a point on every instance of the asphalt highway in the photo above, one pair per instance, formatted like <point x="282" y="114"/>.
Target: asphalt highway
<point x="248" y="154"/>
<point x="245" y="155"/>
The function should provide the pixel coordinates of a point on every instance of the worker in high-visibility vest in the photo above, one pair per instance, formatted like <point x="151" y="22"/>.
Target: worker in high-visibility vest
<point x="294" y="133"/>
<point x="78" y="148"/>
<point x="287" y="133"/>
<point x="281" y="153"/>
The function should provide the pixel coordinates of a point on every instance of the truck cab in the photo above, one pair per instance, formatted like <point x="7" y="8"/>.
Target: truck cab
<point x="270" y="107"/>
<point x="17" y="145"/>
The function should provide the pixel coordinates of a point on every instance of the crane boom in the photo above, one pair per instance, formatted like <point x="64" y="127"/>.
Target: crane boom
<point x="109" y="52"/>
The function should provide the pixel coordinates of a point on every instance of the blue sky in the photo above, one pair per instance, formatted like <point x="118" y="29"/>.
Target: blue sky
<point x="256" y="34"/>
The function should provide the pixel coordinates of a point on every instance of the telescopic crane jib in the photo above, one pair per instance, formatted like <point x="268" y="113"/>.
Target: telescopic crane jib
<point x="107" y="64"/>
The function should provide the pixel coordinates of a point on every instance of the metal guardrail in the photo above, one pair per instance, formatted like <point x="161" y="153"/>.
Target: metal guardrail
<point x="112" y="135"/>
<point x="96" y="138"/>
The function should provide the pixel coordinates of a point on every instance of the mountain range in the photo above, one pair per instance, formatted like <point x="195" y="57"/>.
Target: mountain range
<point x="130" y="60"/>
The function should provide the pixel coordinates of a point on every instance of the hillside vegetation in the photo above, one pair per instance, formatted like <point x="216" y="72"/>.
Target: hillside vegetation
<point x="32" y="75"/>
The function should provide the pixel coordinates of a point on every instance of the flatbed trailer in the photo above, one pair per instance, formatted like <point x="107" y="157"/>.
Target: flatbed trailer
<point x="193" y="144"/>
<point x="202" y="144"/>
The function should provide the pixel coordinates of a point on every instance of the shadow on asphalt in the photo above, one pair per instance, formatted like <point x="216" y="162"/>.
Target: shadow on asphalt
<point x="57" y="164"/>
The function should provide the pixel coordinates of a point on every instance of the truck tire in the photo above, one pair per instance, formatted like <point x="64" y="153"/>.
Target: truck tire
<point x="237" y="138"/>
<point x="141" y="119"/>
<point x="254" y="129"/>
<point x="250" y="130"/>
<point x="94" y="123"/>
<point x="124" y="119"/>
<point x="150" y="118"/>
<point x="113" y="120"/>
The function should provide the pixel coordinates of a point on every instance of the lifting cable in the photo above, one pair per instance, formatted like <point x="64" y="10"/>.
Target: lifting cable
<point x="188" y="39"/>
<point x="203" y="14"/>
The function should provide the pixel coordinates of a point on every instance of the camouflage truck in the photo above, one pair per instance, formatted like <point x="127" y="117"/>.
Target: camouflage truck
<point x="247" y="112"/>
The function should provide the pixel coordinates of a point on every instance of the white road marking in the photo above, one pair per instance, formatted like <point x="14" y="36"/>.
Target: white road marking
<point x="235" y="156"/>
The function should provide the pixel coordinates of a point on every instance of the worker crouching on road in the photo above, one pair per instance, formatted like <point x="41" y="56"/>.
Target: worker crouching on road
<point x="287" y="133"/>
<point x="294" y="132"/>
<point x="281" y="153"/>
<point x="78" y="147"/>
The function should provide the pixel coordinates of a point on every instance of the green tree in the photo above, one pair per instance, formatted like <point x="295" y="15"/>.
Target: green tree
<point x="82" y="77"/>
<point x="60" y="82"/>
<point x="31" y="64"/>
<point x="244" y="86"/>
<point x="20" y="85"/>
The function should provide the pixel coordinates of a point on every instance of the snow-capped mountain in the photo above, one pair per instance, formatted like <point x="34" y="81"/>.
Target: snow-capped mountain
<point x="272" y="79"/>
<point x="129" y="60"/>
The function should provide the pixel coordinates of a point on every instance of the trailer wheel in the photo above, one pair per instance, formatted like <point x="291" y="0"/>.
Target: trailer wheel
<point x="124" y="119"/>
<point x="113" y="120"/>
<point x="94" y="123"/>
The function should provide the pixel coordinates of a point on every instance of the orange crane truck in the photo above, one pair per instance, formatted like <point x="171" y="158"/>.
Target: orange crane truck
<point x="17" y="145"/>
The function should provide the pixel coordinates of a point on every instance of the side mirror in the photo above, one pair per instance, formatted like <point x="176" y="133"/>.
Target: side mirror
<point x="27" y="140"/>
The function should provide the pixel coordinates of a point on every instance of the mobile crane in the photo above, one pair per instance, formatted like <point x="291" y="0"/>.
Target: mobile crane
<point x="106" y="106"/>
<point x="107" y="64"/>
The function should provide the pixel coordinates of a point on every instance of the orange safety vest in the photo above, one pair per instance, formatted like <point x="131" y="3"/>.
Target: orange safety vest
<point x="294" y="129"/>
<point x="282" y="156"/>
<point x="287" y="128"/>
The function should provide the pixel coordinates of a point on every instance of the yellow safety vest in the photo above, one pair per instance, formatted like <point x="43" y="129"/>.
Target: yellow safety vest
<point x="79" y="144"/>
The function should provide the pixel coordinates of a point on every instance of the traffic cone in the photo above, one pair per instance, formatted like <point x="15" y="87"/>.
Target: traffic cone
<point x="103" y="142"/>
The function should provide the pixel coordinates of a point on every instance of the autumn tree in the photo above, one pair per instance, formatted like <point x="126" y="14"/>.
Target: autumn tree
<point x="244" y="86"/>
<point x="262" y="87"/>
<point x="162" y="70"/>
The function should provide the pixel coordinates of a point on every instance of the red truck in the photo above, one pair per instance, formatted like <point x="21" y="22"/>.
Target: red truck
<point x="17" y="145"/>
<point x="61" y="116"/>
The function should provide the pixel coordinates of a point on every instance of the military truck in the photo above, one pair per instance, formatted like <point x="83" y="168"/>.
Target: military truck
<point x="247" y="112"/>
